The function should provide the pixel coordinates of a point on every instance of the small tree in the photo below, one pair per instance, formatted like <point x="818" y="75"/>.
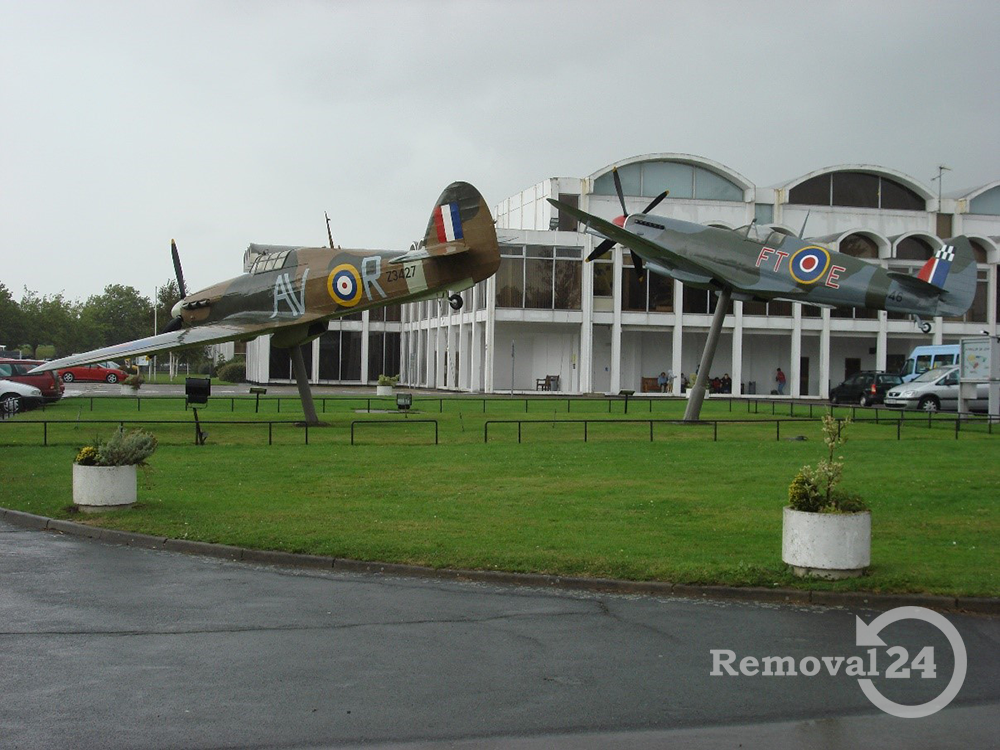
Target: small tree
<point x="816" y="490"/>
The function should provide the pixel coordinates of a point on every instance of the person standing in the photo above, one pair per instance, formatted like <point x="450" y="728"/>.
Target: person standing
<point x="779" y="378"/>
<point x="670" y="380"/>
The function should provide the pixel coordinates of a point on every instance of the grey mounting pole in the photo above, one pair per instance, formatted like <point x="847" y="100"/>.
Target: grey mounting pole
<point x="693" y="411"/>
<point x="302" y="381"/>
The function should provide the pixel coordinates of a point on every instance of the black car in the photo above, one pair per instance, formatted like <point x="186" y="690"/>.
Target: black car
<point x="867" y="388"/>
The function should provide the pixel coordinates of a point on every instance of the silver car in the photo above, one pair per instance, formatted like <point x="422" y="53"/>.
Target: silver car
<point x="15" y="397"/>
<point x="935" y="390"/>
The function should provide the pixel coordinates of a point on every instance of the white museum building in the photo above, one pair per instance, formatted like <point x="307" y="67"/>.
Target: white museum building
<point x="547" y="319"/>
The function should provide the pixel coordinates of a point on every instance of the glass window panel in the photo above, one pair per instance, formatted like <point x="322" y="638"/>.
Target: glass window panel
<point x="350" y="360"/>
<point x="633" y="292"/>
<point x="569" y="284"/>
<point x="764" y="213"/>
<point x="987" y="203"/>
<point x="510" y="282"/>
<point x="513" y="251"/>
<point x="631" y="177"/>
<point x="811" y="311"/>
<point x="280" y="364"/>
<point x="813" y="192"/>
<point x="859" y="246"/>
<point x="855" y="189"/>
<point x="376" y="355"/>
<point x="329" y="356"/>
<point x="604" y="274"/>
<point x="376" y="314"/>
<point x="538" y="284"/>
<point x="978" y="251"/>
<point x="695" y="300"/>
<point x="780" y="307"/>
<point x="661" y="293"/>
<point x="569" y="252"/>
<point x="714" y="187"/>
<point x="977" y="313"/>
<point x="658" y="176"/>
<point x="394" y="312"/>
<point x="914" y="248"/>
<point x="393" y="352"/>
<point x="899" y="196"/>
<point x="568" y="223"/>
<point x="755" y="307"/>
<point x="539" y="251"/>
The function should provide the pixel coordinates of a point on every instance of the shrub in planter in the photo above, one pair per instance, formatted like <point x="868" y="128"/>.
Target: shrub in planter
<point x="233" y="371"/>
<point x="104" y="476"/>
<point x="826" y="532"/>
<point x="389" y="380"/>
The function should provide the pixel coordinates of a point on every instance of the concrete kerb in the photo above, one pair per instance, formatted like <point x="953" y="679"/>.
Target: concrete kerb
<point x="853" y="599"/>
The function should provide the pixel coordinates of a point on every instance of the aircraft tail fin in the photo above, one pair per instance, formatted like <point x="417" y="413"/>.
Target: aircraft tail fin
<point x="952" y="270"/>
<point x="461" y="222"/>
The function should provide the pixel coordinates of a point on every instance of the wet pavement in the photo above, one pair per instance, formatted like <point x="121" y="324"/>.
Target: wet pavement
<point x="114" y="646"/>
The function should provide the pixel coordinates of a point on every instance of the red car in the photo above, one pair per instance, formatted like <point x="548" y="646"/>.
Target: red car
<point x="47" y="382"/>
<point x="107" y="372"/>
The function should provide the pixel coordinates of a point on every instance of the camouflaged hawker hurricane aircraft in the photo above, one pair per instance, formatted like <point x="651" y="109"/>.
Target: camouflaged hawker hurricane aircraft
<point x="741" y="265"/>
<point x="291" y="292"/>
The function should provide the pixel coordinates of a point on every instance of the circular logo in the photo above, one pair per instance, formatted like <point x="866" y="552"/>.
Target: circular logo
<point x="808" y="264"/>
<point x="344" y="285"/>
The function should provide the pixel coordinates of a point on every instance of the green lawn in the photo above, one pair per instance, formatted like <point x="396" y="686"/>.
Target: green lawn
<point x="683" y="508"/>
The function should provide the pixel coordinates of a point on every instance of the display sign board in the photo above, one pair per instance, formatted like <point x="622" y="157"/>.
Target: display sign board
<point x="976" y="360"/>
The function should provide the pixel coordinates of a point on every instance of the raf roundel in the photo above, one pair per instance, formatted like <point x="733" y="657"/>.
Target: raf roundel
<point x="808" y="264"/>
<point x="344" y="285"/>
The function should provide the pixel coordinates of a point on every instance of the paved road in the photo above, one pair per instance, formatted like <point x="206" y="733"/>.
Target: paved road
<point x="108" y="646"/>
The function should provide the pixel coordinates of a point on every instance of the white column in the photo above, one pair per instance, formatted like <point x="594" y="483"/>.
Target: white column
<point x="824" y="356"/>
<point x="491" y="317"/>
<point x="616" y="325"/>
<point x="678" y="342"/>
<point x="795" y="366"/>
<point x="365" y="375"/>
<point x="737" y="373"/>
<point x="585" y="361"/>
<point x="882" y="340"/>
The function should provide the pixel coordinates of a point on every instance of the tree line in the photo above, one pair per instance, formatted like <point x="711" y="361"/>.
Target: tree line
<point x="49" y="326"/>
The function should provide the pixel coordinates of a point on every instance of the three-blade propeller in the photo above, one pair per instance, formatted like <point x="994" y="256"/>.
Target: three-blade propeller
<point x="620" y="221"/>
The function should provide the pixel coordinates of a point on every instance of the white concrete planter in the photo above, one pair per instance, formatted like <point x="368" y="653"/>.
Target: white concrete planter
<point x="98" y="488"/>
<point x="826" y="545"/>
<point x="129" y="390"/>
<point x="383" y="390"/>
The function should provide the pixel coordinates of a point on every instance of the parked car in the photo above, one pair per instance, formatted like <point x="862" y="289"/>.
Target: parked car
<point x="935" y="390"/>
<point x="47" y="382"/>
<point x="867" y="388"/>
<point x="15" y="397"/>
<point x="107" y="372"/>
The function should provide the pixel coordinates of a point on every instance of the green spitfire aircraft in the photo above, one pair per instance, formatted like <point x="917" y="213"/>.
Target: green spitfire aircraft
<point x="744" y="265"/>
<point x="291" y="291"/>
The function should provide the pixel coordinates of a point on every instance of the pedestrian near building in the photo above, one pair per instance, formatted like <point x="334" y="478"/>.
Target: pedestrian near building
<point x="779" y="378"/>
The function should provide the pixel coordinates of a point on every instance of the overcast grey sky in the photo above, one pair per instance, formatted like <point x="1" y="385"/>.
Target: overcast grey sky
<point x="223" y="123"/>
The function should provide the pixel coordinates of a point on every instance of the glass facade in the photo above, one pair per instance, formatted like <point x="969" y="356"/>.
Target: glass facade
<point x="540" y="277"/>
<point x="856" y="190"/>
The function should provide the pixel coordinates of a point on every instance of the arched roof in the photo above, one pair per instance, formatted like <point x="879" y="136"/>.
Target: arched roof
<point x="970" y="193"/>
<point x="695" y="161"/>
<point x="904" y="179"/>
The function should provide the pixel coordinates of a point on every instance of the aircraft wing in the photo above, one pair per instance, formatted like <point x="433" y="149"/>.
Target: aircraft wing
<point x="646" y="249"/>
<point x="164" y="342"/>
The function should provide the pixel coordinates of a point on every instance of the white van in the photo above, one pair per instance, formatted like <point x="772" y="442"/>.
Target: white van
<point x="924" y="358"/>
<point x="935" y="390"/>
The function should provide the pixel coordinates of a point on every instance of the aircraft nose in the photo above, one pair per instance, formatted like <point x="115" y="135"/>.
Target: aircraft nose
<point x="620" y="220"/>
<point x="175" y="311"/>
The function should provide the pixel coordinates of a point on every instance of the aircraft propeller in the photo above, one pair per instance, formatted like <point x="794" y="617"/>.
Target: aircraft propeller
<point x="620" y="221"/>
<point x="176" y="323"/>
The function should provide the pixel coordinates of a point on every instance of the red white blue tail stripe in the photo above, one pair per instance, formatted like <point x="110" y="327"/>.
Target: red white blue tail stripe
<point x="448" y="223"/>
<point x="935" y="271"/>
